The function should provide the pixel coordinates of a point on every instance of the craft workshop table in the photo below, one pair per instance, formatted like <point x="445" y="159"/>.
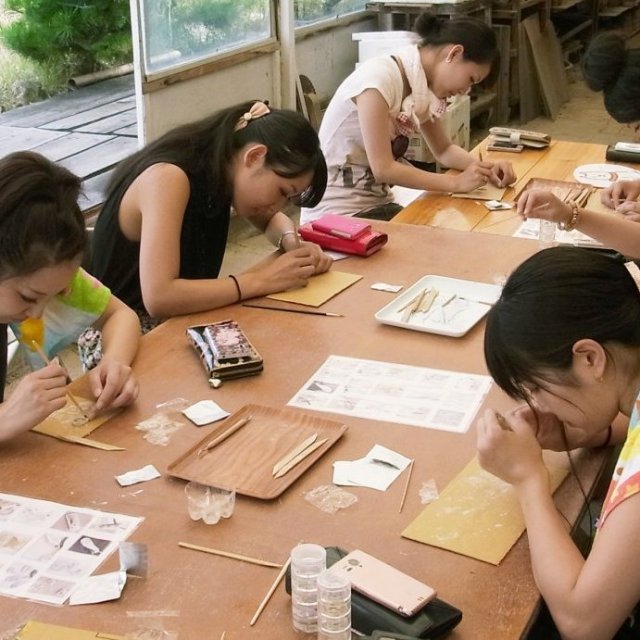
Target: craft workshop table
<point x="209" y="595"/>
<point x="557" y="162"/>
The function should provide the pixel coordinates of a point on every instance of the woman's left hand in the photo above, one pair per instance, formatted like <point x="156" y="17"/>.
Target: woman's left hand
<point x="508" y="449"/>
<point x="113" y="384"/>
<point x="502" y="173"/>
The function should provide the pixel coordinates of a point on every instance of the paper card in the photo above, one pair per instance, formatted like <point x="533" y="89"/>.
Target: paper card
<point x="486" y="192"/>
<point x="477" y="515"/>
<point x="138" y="475"/>
<point x="320" y="288"/>
<point x="205" y="412"/>
<point x="42" y="631"/>
<point x="67" y="422"/>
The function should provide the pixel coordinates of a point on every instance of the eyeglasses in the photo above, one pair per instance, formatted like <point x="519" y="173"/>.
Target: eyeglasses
<point x="399" y="146"/>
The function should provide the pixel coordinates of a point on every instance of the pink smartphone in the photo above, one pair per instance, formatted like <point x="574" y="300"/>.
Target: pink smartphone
<point x="384" y="584"/>
<point x="341" y="226"/>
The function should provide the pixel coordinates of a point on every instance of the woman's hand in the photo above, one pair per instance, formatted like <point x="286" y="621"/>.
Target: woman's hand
<point x="291" y="270"/>
<point x="475" y="175"/>
<point x="621" y="196"/>
<point x="112" y="384"/>
<point x="502" y="173"/>
<point x="321" y="261"/>
<point x="538" y="203"/>
<point x="34" y="398"/>
<point x="507" y="448"/>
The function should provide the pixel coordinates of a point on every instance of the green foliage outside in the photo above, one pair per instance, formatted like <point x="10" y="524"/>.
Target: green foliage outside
<point x="73" y="36"/>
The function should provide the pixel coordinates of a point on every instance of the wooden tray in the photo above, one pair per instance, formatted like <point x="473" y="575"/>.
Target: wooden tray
<point x="245" y="459"/>
<point x="565" y="191"/>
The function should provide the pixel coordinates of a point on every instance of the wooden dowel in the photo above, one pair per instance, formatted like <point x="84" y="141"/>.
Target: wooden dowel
<point x="228" y="554"/>
<point x="406" y="486"/>
<point x="272" y="589"/>
<point x="224" y="435"/>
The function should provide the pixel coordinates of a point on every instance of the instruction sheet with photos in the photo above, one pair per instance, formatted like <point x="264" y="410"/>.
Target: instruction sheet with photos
<point x="531" y="229"/>
<point x="47" y="549"/>
<point x="418" y="396"/>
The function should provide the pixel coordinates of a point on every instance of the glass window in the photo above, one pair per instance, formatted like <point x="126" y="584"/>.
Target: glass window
<point x="308" y="11"/>
<point x="181" y="31"/>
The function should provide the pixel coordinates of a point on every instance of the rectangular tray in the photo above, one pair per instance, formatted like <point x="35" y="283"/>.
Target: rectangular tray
<point x="560" y="188"/>
<point x="461" y="314"/>
<point x="245" y="459"/>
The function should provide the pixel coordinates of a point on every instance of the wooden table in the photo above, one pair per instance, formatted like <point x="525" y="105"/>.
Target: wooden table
<point x="556" y="162"/>
<point x="211" y="594"/>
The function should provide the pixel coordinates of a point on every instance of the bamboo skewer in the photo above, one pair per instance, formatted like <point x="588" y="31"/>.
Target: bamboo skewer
<point x="406" y="486"/>
<point x="228" y="554"/>
<point x="271" y="591"/>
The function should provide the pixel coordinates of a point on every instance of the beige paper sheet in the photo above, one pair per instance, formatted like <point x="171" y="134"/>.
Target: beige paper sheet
<point x="487" y="192"/>
<point x="68" y="423"/>
<point x="477" y="515"/>
<point x="41" y="631"/>
<point x="320" y="288"/>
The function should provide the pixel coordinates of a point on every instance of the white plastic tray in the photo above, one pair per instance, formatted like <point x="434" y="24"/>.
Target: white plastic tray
<point x="472" y="302"/>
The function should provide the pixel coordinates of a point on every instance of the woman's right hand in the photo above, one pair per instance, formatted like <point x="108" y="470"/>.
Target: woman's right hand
<point x="621" y="193"/>
<point x="34" y="398"/>
<point x="539" y="203"/>
<point x="474" y="176"/>
<point x="291" y="270"/>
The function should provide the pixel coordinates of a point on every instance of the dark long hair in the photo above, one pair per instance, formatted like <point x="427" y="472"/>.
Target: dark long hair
<point x="41" y="224"/>
<point x="555" y="298"/>
<point x="478" y="39"/>
<point x="609" y="66"/>
<point x="207" y="147"/>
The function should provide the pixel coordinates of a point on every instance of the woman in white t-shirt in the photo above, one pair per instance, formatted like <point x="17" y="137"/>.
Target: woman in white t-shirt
<point x="385" y="100"/>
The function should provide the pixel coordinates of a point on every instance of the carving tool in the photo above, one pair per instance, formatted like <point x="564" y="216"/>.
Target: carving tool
<point x="293" y="453"/>
<point x="38" y="349"/>
<point x="308" y="311"/>
<point x="504" y="425"/>
<point x="228" y="554"/>
<point x="224" y="435"/>
<point x="299" y="458"/>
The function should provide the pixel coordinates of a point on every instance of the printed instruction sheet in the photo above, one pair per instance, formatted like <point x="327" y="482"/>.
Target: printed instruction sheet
<point x="418" y="396"/>
<point x="47" y="548"/>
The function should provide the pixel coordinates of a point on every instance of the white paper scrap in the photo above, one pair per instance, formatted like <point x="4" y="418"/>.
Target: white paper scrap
<point x="383" y="286"/>
<point x="205" y="412"/>
<point x="377" y="470"/>
<point x="497" y="205"/>
<point x="138" y="475"/>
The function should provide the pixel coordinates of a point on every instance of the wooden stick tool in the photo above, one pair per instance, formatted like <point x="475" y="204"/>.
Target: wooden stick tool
<point x="224" y="435"/>
<point x="271" y="591"/>
<point x="299" y="458"/>
<point x="72" y="398"/>
<point x="228" y="554"/>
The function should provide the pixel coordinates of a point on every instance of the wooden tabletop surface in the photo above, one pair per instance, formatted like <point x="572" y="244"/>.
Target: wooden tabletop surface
<point x="201" y="596"/>
<point x="556" y="163"/>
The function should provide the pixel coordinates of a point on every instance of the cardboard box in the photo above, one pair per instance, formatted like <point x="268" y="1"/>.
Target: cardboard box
<point x="456" y="122"/>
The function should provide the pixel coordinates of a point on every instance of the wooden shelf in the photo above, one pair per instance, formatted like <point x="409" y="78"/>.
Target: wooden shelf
<point x="577" y="29"/>
<point x="614" y="12"/>
<point x="566" y="4"/>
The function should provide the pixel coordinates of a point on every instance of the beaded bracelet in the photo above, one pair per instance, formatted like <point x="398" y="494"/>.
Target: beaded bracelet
<point x="573" y="220"/>
<point x="235" y="281"/>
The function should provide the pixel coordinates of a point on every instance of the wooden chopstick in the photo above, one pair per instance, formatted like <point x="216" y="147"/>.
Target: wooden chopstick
<point x="273" y="587"/>
<point x="72" y="398"/>
<point x="224" y="435"/>
<point x="299" y="458"/>
<point x="293" y="453"/>
<point x="228" y="554"/>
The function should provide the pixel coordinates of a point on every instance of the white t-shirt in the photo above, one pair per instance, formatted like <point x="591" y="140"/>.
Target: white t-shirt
<point x="351" y="186"/>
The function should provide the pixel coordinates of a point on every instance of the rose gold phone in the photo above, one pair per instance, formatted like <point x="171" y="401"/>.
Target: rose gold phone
<point x="384" y="584"/>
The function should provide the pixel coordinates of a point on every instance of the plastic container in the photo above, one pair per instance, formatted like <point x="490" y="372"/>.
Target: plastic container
<point x="334" y="606"/>
<point x="308" y="561"/>
<point x="379" y="43"/>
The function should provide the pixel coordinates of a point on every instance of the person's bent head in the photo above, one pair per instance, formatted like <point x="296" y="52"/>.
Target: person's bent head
<point x="42" y="233"/>
<point x="609" y="66"/>
<point x="466" y="53"/>
<point x="565" y="333"/>
<point x="259" y="158"/>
